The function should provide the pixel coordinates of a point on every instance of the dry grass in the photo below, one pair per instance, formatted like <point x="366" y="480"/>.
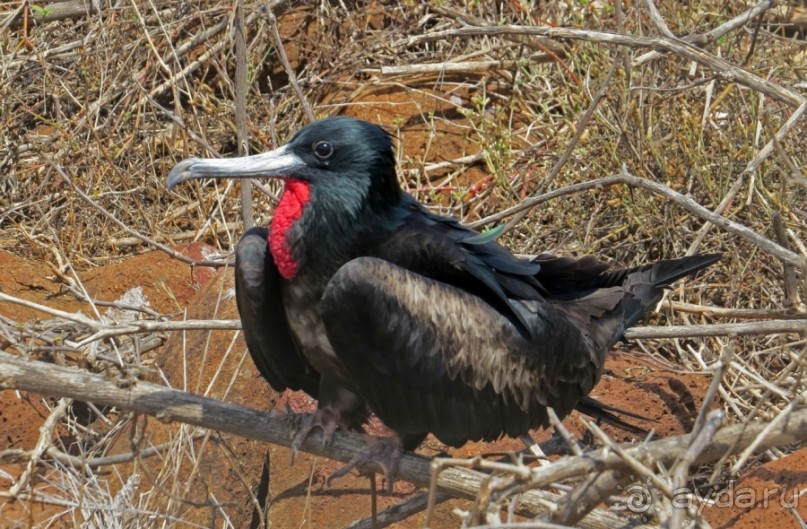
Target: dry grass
<point x="115" y="99"/>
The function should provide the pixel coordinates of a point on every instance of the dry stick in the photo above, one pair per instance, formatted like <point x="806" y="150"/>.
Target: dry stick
<point x="726" y="357"/>
<point x="140" y="345"/>
<point x="712" y="35"/>
<point x="658" y="20"/>
<point x="75" y="317"/>
<point x="455" y="67"/>
<point x="42" y="445"/>
<point x="14" y="455"/>
<point x="242" y="133"/>
<point x="725" y="329"/>
<point x="168" y="404"/>
<point x="792" y="298"/>
<point x="680" y="473"/>
<point x="722" y="67"/>
<point x="173" y="405"/>
<point x="728" y="312"/>
<point x="590" y="493"/>
<point x="62" y="51"/>
<point x="103" y="330"/>
<point x="683" y="201"/>
<point x="53" y="11"/>
<point x="548" y="46"/>
<point x="173" y="253"/>
<point x="281" y="51"/>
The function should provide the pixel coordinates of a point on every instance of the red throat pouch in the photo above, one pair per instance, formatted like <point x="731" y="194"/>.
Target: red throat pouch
<point x="296" y="195"/>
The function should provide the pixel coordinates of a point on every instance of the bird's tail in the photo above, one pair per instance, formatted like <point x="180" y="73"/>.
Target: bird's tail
<point x="644" y="285"/>
<point x="608" y="414"/>
<point x="612" y="302"/>
<point x="606" y="303"/>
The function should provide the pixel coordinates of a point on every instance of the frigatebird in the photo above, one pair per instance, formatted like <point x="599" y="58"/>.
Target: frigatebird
<point x="363" y="298"/>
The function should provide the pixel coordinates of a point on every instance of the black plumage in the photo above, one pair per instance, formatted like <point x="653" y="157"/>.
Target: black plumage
<point x="363" y="298"/>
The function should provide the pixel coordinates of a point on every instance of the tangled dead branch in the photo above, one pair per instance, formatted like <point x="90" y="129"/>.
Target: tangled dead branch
<point x="168" y="404"/>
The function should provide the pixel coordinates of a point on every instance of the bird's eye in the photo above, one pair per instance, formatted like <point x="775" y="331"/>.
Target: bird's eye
<point x="323" y="149"/>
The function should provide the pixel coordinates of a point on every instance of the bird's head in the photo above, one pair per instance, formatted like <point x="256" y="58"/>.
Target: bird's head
<point x="348" y="163"/>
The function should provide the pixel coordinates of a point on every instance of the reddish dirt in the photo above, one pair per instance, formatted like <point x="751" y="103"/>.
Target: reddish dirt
<point x="772" y="495"/>
<point x="168" y="285"/>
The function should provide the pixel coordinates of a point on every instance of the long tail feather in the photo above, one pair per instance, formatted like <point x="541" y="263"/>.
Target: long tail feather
<point x="608" y="414"/>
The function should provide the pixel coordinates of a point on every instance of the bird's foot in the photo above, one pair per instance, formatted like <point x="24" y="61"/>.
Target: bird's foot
<point x="385" y="452"/>
<point x="324" y="418"/>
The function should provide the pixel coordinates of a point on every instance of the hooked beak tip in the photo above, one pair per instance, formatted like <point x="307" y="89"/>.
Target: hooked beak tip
<point x="181" y="172"/>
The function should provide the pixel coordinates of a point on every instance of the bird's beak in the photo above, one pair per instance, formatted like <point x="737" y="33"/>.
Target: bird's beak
<point x="277" y="163"/>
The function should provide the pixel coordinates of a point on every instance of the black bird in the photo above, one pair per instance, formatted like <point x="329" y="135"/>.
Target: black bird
<point x="361" y="297"/>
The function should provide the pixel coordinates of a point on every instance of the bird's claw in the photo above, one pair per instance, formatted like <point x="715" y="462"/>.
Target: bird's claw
<point x="386" y="452"/>
<point x="324" y="419"/>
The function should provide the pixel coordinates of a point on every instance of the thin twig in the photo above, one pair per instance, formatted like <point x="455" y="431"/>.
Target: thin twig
<point x="714" y="34"/>
<point x="42" y="445"/>
<point x="680" y="473"/>
<point x="281" y="51"/>
<point x="247" y="215"/>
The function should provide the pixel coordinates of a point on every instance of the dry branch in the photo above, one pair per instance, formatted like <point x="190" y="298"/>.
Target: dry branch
<point x="682" y="49"/>
<point x="247" y="214"/>
<point x="454" y="67"/>
<point x="723" y="329"/>
<point x="684" y="201"/>
<point x="741" y="314"/>
<point x="798" y="324"/>
<point x="51" y="12"/>
<point x="168" y="404"/>
<point x="714" y="34"/>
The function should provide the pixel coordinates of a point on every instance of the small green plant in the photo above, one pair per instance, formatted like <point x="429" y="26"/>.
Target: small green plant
<point x="41" y="11"/>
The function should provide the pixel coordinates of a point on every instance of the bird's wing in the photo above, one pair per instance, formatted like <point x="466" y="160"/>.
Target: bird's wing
<point x="431" y="357"/>
<point x="266" y="331"/>
<point x="442" y="249"/>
